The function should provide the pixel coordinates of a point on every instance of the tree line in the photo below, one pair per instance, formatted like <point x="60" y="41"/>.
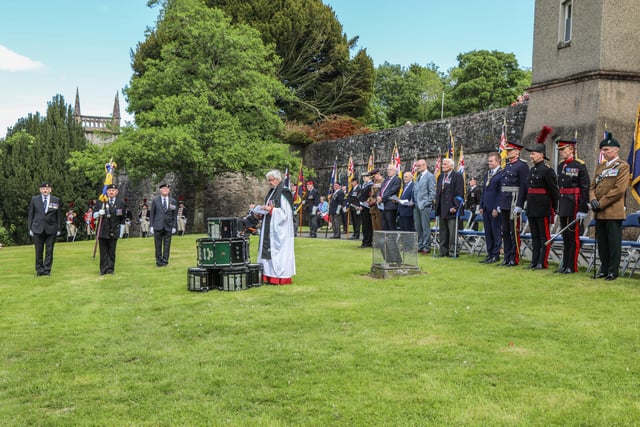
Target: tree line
<point x="234" y="85"/>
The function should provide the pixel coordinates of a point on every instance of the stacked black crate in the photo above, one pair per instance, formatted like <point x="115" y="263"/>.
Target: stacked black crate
<point x="223" y="259"/>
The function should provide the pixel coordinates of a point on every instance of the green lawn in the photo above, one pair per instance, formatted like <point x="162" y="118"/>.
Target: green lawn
<point x="462" y="344"/>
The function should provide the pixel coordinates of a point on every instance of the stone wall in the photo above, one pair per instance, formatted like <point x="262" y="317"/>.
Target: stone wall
<point x="478" y="134"/>
<point x="229" y="195"/>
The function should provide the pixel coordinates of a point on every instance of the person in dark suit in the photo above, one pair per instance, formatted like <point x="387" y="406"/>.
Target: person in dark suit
<point x="405" y="208"/>
<point x="163" y="221"/>
<point x="44" y="220"/>
<point x="355" y="211"/>
<point x="474" y="193"/>
<point x="111" y="216"/>
<point x="489" y="210"/>
<point x="335" y="209"/>
<point x="388" y="207"/>
<point x="449" y="201"/>
<point x="363" y="201"/>
<point x="311" y="204"/>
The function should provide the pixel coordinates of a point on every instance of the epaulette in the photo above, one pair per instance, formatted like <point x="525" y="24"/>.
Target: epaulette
<point x="579" y="161"/>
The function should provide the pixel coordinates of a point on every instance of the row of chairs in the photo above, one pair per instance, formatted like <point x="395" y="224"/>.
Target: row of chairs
<point x="473" y="241"/>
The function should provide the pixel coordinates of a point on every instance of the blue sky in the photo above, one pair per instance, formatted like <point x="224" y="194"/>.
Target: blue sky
<point x="53" y="47"/>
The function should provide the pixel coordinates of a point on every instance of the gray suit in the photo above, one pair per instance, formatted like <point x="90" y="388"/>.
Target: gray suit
<point x="424" y="193"/>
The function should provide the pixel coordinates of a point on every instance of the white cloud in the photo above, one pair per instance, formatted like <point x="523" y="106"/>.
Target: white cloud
<point x="11" y="61"/>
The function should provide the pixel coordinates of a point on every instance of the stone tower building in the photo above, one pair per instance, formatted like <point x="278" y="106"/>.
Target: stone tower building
<point x="97" y="129"/>
<point x="586" y="72"/>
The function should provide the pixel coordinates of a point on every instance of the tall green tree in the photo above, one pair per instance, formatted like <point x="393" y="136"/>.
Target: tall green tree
<point x="484" y="80"/>
<point x="405" y="94"/>
<point x="206" y="103"/>
<point x="315" y="56"/>
<point x="36" y="149"/>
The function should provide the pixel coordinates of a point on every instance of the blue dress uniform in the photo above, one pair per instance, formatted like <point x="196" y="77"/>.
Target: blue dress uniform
<point x="542" y="201"/>
<point x="513" y="190"/>
<point x="573" y="180"/>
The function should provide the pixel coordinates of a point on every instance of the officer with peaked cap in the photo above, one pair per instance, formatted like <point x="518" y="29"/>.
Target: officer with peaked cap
<point x="573" y="181"/>
<point x="606" y="193"/>
<point x="513" y="191"/>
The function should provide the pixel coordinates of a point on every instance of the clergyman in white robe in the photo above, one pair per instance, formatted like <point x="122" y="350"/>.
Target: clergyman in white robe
<point x="276" y="251"/>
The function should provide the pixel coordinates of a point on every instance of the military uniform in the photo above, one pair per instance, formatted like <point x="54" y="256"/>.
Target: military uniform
<point x="542" y="202"/>
<point x="311" y="201"/>
<point x="367" y="225"/>
<point x="513" y="190"/>
<point x="474" y="195"/>
<point x="112" y="217"/>
<point x="573" y="181"/>
<point x="355" y="211"/>
<point x="606" y="193"/>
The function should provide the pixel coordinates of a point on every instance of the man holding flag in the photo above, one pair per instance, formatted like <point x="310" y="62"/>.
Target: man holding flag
<point x="110" y="212"/>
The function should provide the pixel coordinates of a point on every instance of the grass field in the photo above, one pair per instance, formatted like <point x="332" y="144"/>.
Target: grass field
<point x="462" y="344"/>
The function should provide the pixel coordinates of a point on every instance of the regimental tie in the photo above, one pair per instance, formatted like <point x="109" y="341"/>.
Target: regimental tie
<point x="164" y="204"/>
<point x="46" y="204"/>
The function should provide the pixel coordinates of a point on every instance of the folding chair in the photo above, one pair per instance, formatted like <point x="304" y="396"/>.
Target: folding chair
<point x="470" y="238"/>
<point x="525" y="236"/>
<point x="630" y="247"/>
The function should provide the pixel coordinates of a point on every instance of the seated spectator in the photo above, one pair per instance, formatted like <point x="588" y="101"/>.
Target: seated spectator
<point x="250" y="222"/>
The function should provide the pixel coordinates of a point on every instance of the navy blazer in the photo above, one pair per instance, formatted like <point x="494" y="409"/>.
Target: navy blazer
<point x="111" y="220"/>
<point x="407" y="194"/>
<point x="391" y="188"/>
<point x="491" y="194"/>
<point x="40" y="222"/>
<point x="449" y="195"/>
<point x="161" y="220"/>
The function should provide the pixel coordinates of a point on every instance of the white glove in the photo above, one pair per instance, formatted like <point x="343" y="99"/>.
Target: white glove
<point x="581" y="215"/>
<point x="173" y="231"/>
<point x="58" y="233"/>
<point x="498" y="209"/>
<point x="517" y="210"/>
<point x="150" y="230"/>
<point x="30" y="233"/>
<point x="101" y="212"/>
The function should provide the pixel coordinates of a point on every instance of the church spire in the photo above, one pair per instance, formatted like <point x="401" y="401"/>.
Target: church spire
<point x="116" y="108"/>
<point x="76" y="110"/>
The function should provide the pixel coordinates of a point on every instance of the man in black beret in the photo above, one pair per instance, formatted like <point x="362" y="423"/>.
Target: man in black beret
<point x="164" y="217"/>
<point x="44" y="220"/>
<point x="111" y="216"/>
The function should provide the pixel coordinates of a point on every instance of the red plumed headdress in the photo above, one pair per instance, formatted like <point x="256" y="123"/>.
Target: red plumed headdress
<point x="544" y="133"/>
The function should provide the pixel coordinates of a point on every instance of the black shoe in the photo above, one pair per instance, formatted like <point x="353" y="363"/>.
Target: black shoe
<point x="529" y="267"/>
<point x="567" y="271"/>
<point x="538" y="267"/>
<point x="485" y="261"/>
<point x="610" y="277"/>
<point x="510" y="264"/>
<point x="354" y="237"/>
<point x="334" y="237"/>
<point x="600" y="275"/>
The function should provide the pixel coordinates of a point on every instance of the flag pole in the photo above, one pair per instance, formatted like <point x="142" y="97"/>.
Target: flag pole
<point x="108" y="179"/>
